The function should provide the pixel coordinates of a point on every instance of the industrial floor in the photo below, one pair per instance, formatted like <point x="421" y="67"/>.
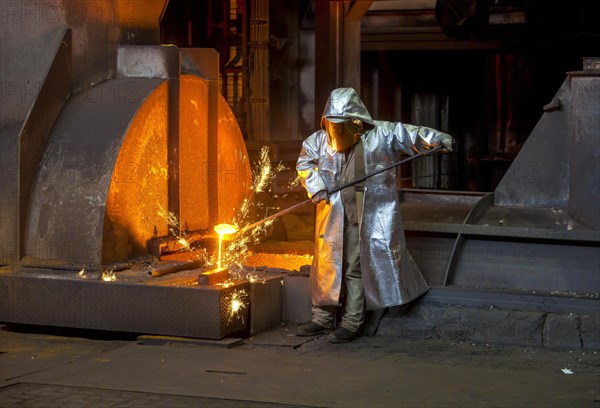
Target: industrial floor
<point x="42" y="367"/>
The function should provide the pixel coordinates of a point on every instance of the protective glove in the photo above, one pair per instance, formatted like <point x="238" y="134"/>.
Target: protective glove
<point x="447" y="141"/>
<point x="320" y="196"/>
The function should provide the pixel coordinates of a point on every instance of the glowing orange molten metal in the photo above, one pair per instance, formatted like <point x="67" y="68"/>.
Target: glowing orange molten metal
<point x="223" y="229"/>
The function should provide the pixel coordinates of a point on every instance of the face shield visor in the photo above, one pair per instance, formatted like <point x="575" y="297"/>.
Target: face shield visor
<point x="342" y="134"/>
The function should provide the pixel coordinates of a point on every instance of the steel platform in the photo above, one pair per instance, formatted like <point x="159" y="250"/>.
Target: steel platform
<point x="174" y="305"/>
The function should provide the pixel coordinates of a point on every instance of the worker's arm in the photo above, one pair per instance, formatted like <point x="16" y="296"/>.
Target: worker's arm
<point x="307" y="166"/>
<point x="411" y="138"/>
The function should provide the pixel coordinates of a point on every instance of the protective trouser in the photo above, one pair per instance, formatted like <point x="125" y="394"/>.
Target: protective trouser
<point x="352" y="199"/>
<point x="354" y="308"/>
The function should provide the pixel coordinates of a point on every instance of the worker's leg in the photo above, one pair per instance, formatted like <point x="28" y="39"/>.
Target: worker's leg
<point x="323" y="315"/>
<point x="321" y="323"/>
<point x="354" y="312"/>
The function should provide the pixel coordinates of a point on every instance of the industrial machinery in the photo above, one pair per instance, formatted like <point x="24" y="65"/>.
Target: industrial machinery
<point x="106" y="159"/>
<point x="539" y="231"/>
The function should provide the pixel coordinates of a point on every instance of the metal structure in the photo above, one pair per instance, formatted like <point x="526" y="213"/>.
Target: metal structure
<point x="538" y="233"/>
<point x="118" y="157"/>
<point x="120" y="135"/>
<point x="104" y="187"/>
<point x="150" y="150"/>
<point x="64" y="299"/>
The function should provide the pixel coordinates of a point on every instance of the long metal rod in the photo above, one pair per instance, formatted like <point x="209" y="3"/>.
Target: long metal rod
<point x="165" y="269"/>
<point x="391" y="166"/>
<point x="273" y="216"/>
<point x="335" y="190"/>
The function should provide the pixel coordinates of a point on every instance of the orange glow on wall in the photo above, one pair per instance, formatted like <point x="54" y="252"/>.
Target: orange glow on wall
<point x="194" y="163"/>
<point x="139" y="182"/>
<point x="235" y="175"/>
<point x="138" y="195"/>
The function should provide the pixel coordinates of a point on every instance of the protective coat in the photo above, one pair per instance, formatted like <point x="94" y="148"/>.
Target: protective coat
<point x="390" y="275"/>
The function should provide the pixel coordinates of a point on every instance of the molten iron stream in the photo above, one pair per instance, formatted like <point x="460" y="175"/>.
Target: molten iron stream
<point x="223" y="229"/>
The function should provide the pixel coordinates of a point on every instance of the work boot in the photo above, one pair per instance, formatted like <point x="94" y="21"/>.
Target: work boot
<point x="312" y="329"/>
<point x="372" y="320"/>
<point x="342" y="335"/>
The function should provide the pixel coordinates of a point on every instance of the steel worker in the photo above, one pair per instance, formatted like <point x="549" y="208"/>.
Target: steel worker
<point x="360" y="250"/>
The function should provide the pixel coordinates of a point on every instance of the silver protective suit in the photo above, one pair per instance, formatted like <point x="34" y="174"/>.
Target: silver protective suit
<point x="390" y="275"/>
